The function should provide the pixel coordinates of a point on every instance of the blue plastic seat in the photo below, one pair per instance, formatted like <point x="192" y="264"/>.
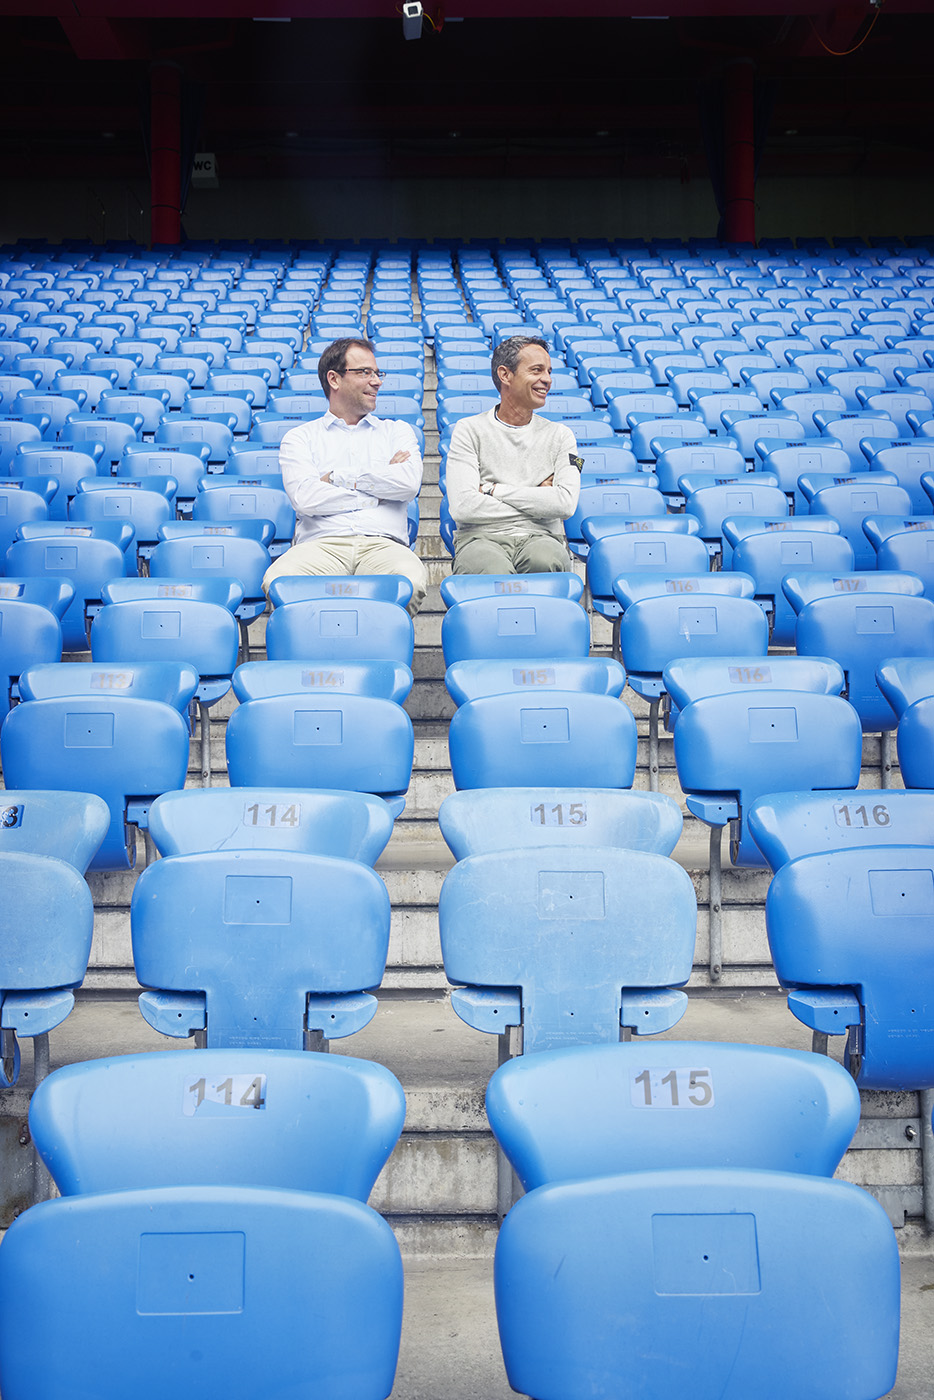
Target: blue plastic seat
<point x="695" y="677"/>
<point x="698" y="458"/>
<point x="782" y="547"/>
<point x="221" y="499"/>
<point x="29" y="635"/>
<point x="340" y="629"/>
<point x="188" y="1277"/>
<point x="713" y="504"/>
<point x="67" y="825"/>
<point x="218" y="554"/>
<point x="354" y="743"/>
<point x="732" y="748"/>
<point x="563" y="739"/>
<point x="595" y="501"/>
<point x="79" y="560"/>
<point x="631" y="588"/>
<point x="65" y="463"/>
<point x="604" y="1285"/>
<point x="850" y="504"/>
<point x="848" y="932"/>
<point x="351" y="825"/>
<point x="571" y="944"/>
<point x="124" y="749"/>
<point x="145" y="510"/>
<point x="291" y="978"/>
<point x="173" y="630"/>
<point x="534" y="625"/>
<point x="45" y="931"/>
<point x="115" y="433"/>
<point x="180" y="429"/>
<point x="787" y="825"/>
<point x="581" y="1111"/>
<point x="655" y="631"/>
<point x="186" y="465"/>
<point x="315" y="1122"/>
<point x="52" y="593"/>
<point x="905" y="679"/>
<point x="915" y="743"/>
<point x="481" y="821"/>
<point x="862" y="629"/>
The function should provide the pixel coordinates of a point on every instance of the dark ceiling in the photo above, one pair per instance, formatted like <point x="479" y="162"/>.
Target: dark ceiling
<point x="492" y="86"/>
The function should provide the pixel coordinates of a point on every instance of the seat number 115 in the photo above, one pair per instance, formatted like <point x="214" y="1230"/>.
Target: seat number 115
<point x="671" y="1088"/>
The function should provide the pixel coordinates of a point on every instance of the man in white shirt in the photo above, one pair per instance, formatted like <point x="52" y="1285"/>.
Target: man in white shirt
<point x="512" y="478"/>
<point x="350" y="477"/>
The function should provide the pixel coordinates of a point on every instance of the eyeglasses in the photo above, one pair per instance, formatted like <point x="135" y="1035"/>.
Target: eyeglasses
<point x="379" y="374"/>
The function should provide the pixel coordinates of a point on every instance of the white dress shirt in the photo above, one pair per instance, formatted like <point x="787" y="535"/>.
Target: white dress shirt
<point x="368" y="494"/>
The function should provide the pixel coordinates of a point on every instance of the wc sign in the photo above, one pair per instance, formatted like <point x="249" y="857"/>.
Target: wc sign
<point x="204" y="171"/>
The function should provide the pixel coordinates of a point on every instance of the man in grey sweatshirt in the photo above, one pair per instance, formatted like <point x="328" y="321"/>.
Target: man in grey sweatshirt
<point x="512" y="477"/>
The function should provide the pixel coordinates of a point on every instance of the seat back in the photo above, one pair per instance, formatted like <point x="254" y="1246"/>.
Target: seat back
<point x="67" y="825"/>
<point x="302" y="588"/>
<point x="858" y="921"/>
<point x="227" y="592"/>
<point x="770" y="555"/>
<point x="84" y="562"/>
<point x="483" y="820"/>
<point x="281" y="907"/>
<point x="786" y="825"/>
<point x="567" y="739"/>
<point x="351" y="742"/>
<point x="573" y="930"/>
<point x="587" y="1111"/>
<point x="494" y="627"/>
<point x="352" y="825"/>
<point x="905" y="679"/>
<point x="612" y="500"/>
<point x="230" y="501"/>
<point x="861" y="630"/>
<point x="187" y="1278"/>
<point x="850" y="504"/>
<point x="52" y="593"/>
<point x="603" y="1286"/>
<point x="915" y="744"/>
<point x="749" y="743"/>
<point x="248" y="1117"/>
<point x="218" y="556"/>
<point x="29" y="635"/>
<point x="16" y="506"/>
<point x="121" y="748"/>
<point x="911" y="551"/>
<point x="470" y="680"/>
<point x="340" y="629"/>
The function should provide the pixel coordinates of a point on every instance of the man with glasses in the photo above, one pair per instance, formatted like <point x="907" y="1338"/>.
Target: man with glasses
<point x="350" y="477"/>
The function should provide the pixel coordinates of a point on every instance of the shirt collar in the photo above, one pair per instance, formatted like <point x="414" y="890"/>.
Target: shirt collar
<point x="331" y="420"/>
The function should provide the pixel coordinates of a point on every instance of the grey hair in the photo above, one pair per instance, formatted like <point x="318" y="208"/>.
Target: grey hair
<point x="508" y="351"/>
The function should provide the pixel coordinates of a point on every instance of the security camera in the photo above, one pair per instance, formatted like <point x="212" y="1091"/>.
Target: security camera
<point x="412" y="19"/>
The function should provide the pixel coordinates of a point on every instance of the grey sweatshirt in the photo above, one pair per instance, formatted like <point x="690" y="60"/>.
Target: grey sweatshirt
<point x="517" y="460"/>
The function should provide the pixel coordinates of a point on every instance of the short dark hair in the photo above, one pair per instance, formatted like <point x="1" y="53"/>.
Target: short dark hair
<point x="334" y="356"/>
<point x="508" y="351"/>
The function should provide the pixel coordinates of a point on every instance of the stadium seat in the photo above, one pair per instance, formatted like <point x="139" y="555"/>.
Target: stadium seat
<point x="385" y="680"/>
<point x="172" y="684"/>
<point x="788" y="825"/>
<point x="847" y="931"/>
<point x="572" y="944"/>
<point x="461" y="588"/>
<point x="125" y="750"/>
<point x="536" y="625"/>
<point x="45" y="933"/>
<point x="655" y="631"/>
<point x="205" y="635"/>
<point x="291" y="980"/>
<point x="83" y="562"/>
<point x="352" y="742"/>
<point x="218" y="555"/>
<point x="565" y="739"/>
<point x="471" y="679"/>
<point x="340" y="629"/>
<point x="781" y="547"/>
<point x="222" y="499"/>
